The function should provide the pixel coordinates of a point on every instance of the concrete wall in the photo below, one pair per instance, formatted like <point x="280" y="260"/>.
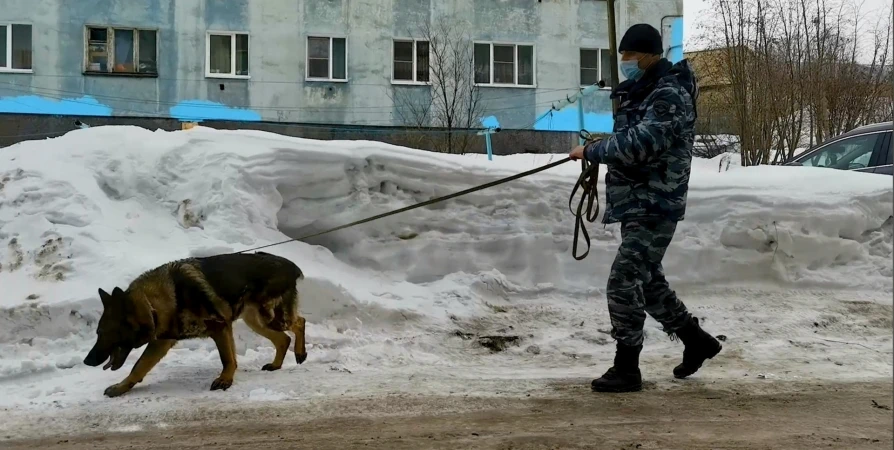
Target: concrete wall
<point x="277" y="89"/>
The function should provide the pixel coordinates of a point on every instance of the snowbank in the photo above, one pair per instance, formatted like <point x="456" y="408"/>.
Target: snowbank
<point x="764" y="253"/>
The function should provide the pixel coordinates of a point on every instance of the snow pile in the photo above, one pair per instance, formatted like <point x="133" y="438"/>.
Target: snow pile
<point x="782" y="257"/>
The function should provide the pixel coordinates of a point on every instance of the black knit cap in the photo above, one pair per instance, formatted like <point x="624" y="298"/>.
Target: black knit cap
<point x="643" y="38"/>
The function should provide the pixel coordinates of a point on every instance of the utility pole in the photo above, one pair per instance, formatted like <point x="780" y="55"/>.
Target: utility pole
<point x="613" y="50"/>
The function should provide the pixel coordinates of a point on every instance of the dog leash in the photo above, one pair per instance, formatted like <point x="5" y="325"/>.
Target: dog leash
<point x="586" y="183"/>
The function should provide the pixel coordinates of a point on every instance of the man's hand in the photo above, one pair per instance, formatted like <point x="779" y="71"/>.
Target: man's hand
<point x="577" y="153"/>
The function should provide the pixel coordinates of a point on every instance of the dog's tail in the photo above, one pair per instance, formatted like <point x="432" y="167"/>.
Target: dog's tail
<point x="285" y="311"/>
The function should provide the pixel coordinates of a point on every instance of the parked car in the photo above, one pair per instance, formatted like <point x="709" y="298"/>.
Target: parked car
<point x="863" y="149"/>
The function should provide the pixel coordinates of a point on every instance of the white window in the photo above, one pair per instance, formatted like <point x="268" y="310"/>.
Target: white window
<point x="504" y="64"/>
<point x="410" y="63"/>
<point x="595" y="65"/>
<point x="15" y="47"/>
<point x="226" y="55"/>
<point x="121" y="51"/>
<point x="327" y="58"/>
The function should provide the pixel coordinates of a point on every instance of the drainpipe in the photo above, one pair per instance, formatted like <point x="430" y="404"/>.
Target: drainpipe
<point x="670" y="45"/>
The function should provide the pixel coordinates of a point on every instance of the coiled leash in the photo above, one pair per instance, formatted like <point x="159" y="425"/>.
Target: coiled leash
<point x="586" y="183"/>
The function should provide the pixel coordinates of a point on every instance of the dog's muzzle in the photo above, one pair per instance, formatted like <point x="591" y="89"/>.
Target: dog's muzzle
<point x="97" y="356"/>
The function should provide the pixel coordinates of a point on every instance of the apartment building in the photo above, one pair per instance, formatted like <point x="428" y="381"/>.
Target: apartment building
<point x="359" y="62"/>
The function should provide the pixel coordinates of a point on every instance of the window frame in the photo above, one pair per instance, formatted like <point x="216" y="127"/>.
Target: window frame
<point x="599" y="68"/>
<point x="232" y="34"/>
<point x="889" y="152"/>
<point x="331" y="38"/>
<point x="8" y="50"/>
<point x="414" y="82"/>
<point x="110" y="42"/>
<point x="885" y="157"/>
<point x="491" y="44"/>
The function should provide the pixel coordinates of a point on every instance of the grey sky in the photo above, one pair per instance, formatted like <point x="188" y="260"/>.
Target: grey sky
<point x="696" y="12"/>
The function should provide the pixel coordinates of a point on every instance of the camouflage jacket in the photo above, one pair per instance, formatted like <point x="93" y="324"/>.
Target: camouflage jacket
<point x="649" y="153"/>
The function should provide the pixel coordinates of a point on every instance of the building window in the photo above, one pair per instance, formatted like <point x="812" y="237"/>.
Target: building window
<point x="410" y="62"/>
<point x="595" y="65"/>
<point x="504" y="64"/>
<point x="15" y="47"/>
<point x="226" y="55"/>
<point x="589" y="67"/>
<point x="112" y="50"/>
<point x="327" y="58"/>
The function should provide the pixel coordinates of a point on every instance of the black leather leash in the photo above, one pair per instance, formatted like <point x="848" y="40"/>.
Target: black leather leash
<point x="586" y="183"/>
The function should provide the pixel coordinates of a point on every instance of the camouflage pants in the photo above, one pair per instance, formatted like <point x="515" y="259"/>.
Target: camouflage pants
<point x="637" y="285"/>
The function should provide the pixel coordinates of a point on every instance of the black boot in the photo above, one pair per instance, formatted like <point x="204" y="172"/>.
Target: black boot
<point x="624" y="376"/>
<point x="699" y="346"/>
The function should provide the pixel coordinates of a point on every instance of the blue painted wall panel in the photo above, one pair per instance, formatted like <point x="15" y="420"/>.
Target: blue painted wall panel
<point x="568" y="119"/>
<point x="198" y="110"/>
<point x="33" y="104"/>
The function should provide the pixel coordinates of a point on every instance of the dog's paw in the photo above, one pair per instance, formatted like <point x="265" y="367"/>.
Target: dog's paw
<point x="300" y="357"/>
<point x="221" y="383"/>
<point x="117" y="389"/>
<point x="271" y="367"/>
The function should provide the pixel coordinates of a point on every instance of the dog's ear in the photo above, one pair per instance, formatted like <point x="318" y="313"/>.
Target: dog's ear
<point x="105" y="297"/>
<point x="141" y="318"/>
<point x="117" y="291"/>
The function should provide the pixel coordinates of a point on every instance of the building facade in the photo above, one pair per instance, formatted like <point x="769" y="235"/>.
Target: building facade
<point x="311" y="61"/>
<point x="714" y="90"/>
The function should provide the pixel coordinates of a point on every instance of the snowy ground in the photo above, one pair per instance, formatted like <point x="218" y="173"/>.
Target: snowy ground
<point x="792" y="265"/>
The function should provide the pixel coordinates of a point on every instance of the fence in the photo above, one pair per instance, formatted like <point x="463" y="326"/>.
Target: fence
<point x="16" y="128"/>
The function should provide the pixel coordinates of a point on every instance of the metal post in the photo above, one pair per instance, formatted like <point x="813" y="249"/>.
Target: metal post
<point x="613" y="50"/>
<point x="487" y="133"/>
<point x="490" y="152"/>
<point x="580" y="117"/>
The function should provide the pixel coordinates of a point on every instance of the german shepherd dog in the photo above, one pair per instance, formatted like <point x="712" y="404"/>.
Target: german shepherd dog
<point x="194" y="298"/>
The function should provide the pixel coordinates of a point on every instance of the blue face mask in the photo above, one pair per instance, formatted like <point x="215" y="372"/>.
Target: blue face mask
<point x="631" y="69"/>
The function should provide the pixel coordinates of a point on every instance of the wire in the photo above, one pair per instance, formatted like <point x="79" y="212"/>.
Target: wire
<point x="388" y="124"/>
<point x="296" y="81"/>
<point x="431" y="202"/>
<point x="542" y="116"/>
<point x="586" y="183"/>
<point x="365" y="109"/>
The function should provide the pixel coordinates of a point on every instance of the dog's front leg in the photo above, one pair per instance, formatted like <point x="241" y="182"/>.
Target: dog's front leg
<point x="223" y="337"/>
<point x="155" y="351"/>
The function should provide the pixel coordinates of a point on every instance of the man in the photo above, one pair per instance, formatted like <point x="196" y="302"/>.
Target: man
<point x="648" y="155"/>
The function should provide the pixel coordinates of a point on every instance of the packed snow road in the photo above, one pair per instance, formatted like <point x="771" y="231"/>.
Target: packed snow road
<point x="799" y="416"/>
<point x="477" y="297"/>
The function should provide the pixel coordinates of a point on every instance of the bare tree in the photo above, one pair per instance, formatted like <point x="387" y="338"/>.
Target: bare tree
<point x="795" y="75"/>
<point x="743" y="35"/>
<point x="843" y="92"/>
<point x="712" y="145"/>
<point x="413" y="107"/>
<point x="453" y="102"/>
<point x="791" y="102"/>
